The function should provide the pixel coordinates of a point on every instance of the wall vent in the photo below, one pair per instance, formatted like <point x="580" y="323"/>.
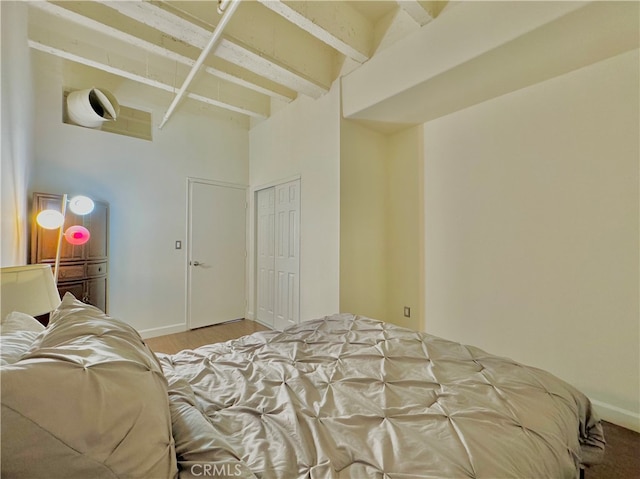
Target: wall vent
<point x="129" y="121"/>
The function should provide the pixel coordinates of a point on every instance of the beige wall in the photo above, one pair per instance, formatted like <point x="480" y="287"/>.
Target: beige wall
<point x="363" y="221"/>
<point x="405" y="231"/>
<point x="531" y="230"/>
<point x="467" y="55"/>
<point x="380" y="225"/>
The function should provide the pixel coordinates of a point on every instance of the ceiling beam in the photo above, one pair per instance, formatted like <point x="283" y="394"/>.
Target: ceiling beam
<point x="192" y="34"/>
<point x="80" y="44"/>
<point x="416" y="11"/>
<point x="66" y="14"/>
<point x="132" y="76"/>
<point x="267" y="34"/>
<point x="335" y="23"/>
<point x="155" y="17"/>
<point x="251" y="60"/>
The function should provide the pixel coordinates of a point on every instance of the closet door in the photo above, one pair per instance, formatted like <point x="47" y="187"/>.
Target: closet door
<point x="278" y="255"/>
<point x="266" y="255"/>
<point x="287" y="257"/>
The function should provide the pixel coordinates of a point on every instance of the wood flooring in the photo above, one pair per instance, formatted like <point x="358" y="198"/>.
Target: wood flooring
<point x="219" y="333"/>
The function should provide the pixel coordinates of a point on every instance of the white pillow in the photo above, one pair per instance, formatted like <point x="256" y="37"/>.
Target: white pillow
<point x="16" y="322"/>
<point x="88" y="400"/>
<point x="14" y="345"/>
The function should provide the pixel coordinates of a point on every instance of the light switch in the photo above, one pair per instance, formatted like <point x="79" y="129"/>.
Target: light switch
<point x="178" y="244"/>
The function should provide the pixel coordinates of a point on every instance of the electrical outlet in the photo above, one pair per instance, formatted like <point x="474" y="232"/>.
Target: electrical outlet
<point x="407" y="312"/>
<point x="178" y="244"/>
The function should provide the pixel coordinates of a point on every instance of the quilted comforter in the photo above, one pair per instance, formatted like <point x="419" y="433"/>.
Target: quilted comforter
<point x="351" y="397"/>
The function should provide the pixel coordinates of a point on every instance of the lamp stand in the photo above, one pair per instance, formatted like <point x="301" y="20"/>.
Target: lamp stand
<point x="60" y="235"/>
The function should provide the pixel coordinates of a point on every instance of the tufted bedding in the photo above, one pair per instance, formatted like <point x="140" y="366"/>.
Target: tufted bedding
<point x="84" y="398"/>
<point x="339" y="397"/>
<point x="350" y="397"/>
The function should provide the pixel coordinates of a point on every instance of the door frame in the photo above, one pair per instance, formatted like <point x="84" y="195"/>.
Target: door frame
<point x="252" y="235"/>
<point x="189" y="237"/>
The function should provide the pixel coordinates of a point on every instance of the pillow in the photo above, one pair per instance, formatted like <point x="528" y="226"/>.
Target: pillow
<point x="17" y="321"/>
<point x="14" y="345"/>
<point x="17" y="333"/>
<point x="88" y="399"/>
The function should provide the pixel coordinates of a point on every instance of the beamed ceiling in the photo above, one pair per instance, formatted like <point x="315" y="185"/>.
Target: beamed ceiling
<point x="269" y="51"/>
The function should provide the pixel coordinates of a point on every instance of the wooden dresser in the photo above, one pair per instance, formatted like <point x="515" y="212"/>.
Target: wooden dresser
<point x="83" y="269"/>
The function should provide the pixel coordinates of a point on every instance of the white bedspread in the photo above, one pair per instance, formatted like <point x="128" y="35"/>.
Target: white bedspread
<point x="350" y="397"/>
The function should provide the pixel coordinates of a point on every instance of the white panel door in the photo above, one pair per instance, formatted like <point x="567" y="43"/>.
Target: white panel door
<point x="287" y="258"/>
<point x="266" y="255"/>
<point x="216" y="248"/>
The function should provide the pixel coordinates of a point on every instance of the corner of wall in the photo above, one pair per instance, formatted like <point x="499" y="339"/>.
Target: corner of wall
<point x="17" y="132"/>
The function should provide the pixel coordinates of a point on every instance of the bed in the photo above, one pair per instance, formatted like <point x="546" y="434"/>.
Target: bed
<point x="337" y="397"/>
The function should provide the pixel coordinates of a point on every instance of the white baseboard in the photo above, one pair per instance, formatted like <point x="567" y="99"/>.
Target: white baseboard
<point x="163" y="330"/>
<point x="617" y="415"/>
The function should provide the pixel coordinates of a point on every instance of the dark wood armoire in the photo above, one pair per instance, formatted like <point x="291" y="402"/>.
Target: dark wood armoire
<point x="83" y="268"/>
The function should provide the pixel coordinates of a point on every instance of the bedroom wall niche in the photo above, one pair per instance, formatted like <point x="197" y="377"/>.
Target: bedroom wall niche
<point x="381" y="236"/>
<point x="364" y="197"/>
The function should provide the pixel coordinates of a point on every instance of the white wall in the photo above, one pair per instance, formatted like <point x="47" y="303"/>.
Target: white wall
<point x="531" y="230"/>
<point x="303" y="139"/>
<point x="143" y="181"/>
<point x="17" y="133"/>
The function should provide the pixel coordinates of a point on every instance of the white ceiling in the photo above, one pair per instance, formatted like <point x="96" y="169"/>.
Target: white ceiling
<point x="269" y="52"/>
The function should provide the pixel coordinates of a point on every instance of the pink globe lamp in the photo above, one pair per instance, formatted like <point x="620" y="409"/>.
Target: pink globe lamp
<point x="77" y="235"/>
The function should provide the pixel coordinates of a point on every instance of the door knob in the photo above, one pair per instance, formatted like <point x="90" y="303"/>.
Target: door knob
<point x="196" y="263"/>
